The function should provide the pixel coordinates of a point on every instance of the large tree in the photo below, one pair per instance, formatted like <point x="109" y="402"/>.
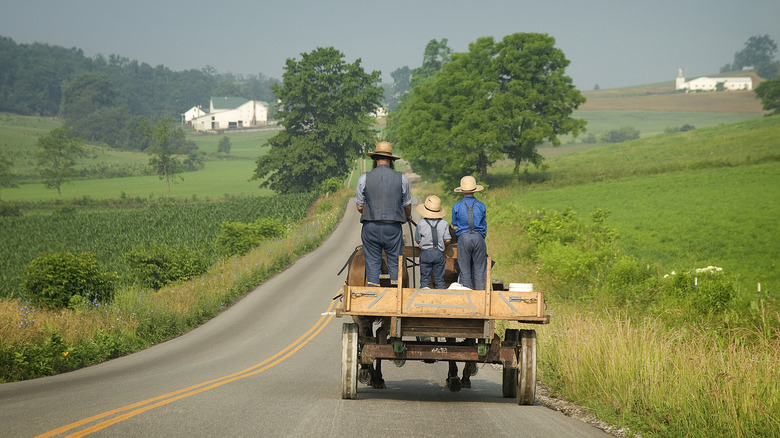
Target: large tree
<point x="325" y="110"/>
<point x="58" y="152"/>
<point x="497" y="100"/>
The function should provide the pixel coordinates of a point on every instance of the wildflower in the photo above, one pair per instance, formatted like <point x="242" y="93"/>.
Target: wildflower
<point x="64" y="353"/>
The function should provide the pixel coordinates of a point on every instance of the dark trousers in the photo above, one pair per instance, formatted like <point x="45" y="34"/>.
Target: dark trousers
<point x="472" y="260"/>
<point x="378" y="236"/>
<point x="432" y="262"/>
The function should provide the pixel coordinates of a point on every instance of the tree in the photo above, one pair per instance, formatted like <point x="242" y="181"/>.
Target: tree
<point x="224" y="145"/>
<point x="402" y="84"/>
<point x="57" y="154"/>
<point x="769" y="93"/>
<point x="325" y="110"/>
<point x="437" y="54"/>
<point x="759" y="52"/>
<point x="166" y="145"/>
<point x="497" y="100"/>
<point x="7" y="177"/>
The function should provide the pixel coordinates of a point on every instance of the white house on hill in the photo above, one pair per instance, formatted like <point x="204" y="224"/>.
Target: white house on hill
<point x="192" y="113"/>
<point x="711" y="84"/>
<point x="230" y="113"/>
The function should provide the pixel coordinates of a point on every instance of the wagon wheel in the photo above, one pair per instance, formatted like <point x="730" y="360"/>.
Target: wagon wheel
<point x="526" y="379"/>
<point x="509" y="384"/>
<point x="349" y="360"/>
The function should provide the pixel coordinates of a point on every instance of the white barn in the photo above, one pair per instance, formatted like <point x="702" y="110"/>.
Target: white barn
<point x="705" y="83"/>
<point x="232" y="113"/>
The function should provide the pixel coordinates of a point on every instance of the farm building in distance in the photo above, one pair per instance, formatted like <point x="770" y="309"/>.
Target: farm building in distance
<point x="227" y="113"/>
<point x="705" y="83"/>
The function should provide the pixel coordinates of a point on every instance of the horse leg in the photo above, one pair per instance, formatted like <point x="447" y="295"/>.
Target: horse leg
<point x="377" y="382"/>
<point x="453" y="382"/>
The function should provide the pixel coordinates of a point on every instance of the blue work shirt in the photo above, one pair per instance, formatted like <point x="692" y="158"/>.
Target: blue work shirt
<point x="460" y="216"/>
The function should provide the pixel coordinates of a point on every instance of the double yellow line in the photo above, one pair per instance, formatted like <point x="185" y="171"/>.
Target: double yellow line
<point x="134" y="409"/>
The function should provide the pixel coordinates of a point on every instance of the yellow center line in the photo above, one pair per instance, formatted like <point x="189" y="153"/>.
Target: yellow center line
<point x="139" y="407"/>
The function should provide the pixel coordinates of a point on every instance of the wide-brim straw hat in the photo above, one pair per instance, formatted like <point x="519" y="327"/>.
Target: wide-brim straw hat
<point x="383" y="149"/>
<point x="431" y="209"/>
<point x="468" y="185"/>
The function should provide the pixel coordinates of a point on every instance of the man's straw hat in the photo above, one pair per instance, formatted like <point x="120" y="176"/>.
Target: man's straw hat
<point x="468" y="185"/>
<point x="383" y="149"/>
<point x="432" y="208"/>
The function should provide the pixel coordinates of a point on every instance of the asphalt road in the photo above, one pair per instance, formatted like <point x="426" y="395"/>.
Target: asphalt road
<point x="270" y="366"/>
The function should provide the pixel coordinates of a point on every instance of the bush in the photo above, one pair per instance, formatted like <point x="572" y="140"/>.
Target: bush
<point x="157" y="265"/>
<point x="331" y="185"/>
<point x="9" y="210"/>
<point x="620" y="135"/>
<point x="705" y="290"/>
<point x="55" y="279"/>
<point x="237" y="238"/>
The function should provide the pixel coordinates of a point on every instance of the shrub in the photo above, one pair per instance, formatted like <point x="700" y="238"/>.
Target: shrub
<point x="9" y="210"/>
<point x="620" y="135"/>
<point x="55" y="279"/>
<point x="157" y="265"/>
<point x="705" y="290"/>
<point x="237" y="238"/>
<point x="331" y="185"/>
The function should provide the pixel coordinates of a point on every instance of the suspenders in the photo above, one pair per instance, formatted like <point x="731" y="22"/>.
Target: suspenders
<point x="434" y="231"/>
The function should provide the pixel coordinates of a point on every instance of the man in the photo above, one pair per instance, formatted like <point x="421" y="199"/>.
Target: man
<point x="470" y="222"/>
<point x="385" y="202"/>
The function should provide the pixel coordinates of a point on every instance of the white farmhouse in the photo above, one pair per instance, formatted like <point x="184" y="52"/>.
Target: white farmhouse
<point x="705" y="83"/>
<point x="232" y="113"/>
<point x="191" y="114"/>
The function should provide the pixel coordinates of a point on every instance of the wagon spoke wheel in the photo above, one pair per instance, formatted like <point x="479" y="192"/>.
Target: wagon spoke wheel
<point x="349" y="360"/>
<point x="526" y="379"/>
<point x="509" y="383"/>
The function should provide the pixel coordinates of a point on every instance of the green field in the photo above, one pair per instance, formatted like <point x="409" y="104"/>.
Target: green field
<point x="683" y="200"/>
<point x="726" y="217"/>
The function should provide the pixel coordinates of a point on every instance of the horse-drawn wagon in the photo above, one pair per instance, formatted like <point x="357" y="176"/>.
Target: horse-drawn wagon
<point x="425" y="324"/>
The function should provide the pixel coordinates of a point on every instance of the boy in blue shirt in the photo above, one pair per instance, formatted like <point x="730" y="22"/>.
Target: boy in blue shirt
<point x="469" y="218"/>
<point x="432" y="234"/>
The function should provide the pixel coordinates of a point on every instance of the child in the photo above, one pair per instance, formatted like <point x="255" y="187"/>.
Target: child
<point x="470" y="222"/>
<point x="432" y="234"/>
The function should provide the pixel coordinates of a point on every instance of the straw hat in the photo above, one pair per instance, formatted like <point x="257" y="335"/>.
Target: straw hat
<point x="432" y="208"/>
<point x="384" y="150"/>
<point x="468" y="185"/>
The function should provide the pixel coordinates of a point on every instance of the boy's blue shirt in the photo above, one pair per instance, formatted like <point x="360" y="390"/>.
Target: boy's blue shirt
<point x="460" y="216"/>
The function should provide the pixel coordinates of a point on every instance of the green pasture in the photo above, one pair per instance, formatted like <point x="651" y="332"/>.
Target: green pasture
<point x="725" y="217"/>
<point x="684" y="200"/>
<point x="216" y="180"/>
<point x="753" y="141"/>
<point x="247" y="145"/>
<point x="649" y="123"/>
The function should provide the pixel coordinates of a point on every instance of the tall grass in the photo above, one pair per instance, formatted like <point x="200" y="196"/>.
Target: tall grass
<point x="662" y="381"/>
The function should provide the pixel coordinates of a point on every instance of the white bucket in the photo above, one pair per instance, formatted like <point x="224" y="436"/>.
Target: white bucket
<point x="521" y="287"/>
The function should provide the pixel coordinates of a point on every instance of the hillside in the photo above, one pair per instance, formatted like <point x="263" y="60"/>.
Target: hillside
<point x="663" y="97"/>
<point x="679" y="201"/>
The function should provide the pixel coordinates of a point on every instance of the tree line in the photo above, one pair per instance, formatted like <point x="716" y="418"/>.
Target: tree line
<point x="104" y="99"/>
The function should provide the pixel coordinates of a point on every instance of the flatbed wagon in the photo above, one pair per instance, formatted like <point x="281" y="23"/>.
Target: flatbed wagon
<point x="454" y="324"/>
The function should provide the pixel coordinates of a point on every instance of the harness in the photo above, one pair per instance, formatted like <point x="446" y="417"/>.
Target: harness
<point x="434" y="231"/>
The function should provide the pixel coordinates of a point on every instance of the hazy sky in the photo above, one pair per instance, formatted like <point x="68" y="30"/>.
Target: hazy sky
<point x="612" y="43"/>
